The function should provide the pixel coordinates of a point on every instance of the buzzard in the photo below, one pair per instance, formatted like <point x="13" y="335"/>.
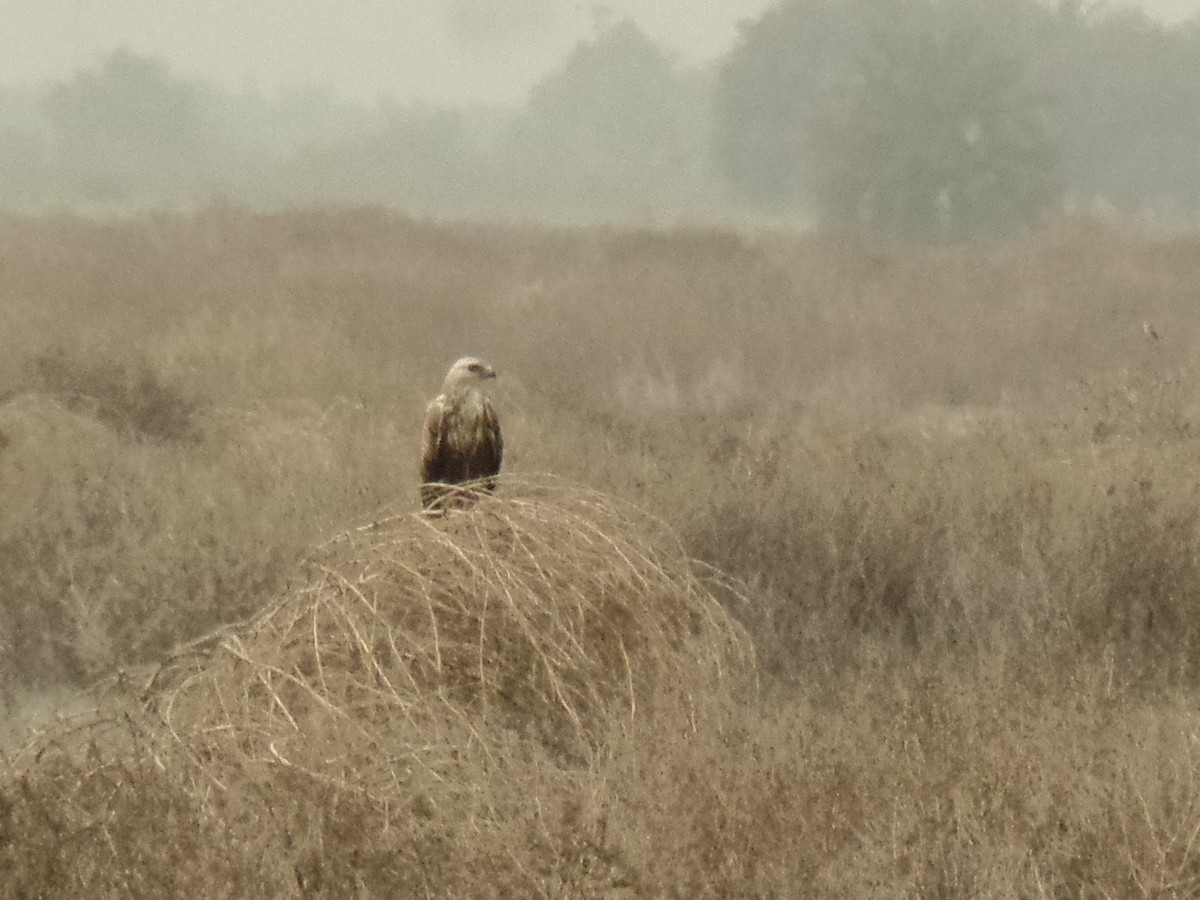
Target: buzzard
<point x="462" y="440"/>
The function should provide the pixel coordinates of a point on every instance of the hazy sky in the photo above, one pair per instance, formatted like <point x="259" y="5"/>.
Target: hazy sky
<point x="436" y="50"/>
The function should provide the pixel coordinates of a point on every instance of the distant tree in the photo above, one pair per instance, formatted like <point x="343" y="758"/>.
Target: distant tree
<point x="892" y="115"/>
<point x="864" y="110"/>
<point x="126" y="129"/>
<point x="1126" y="107"/>
<point x="771" y="92"/>
<point x="615" y="127"/>
<point x="937" y="136"/>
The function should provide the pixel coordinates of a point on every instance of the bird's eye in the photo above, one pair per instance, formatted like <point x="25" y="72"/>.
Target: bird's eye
<point x="475" y="367"/>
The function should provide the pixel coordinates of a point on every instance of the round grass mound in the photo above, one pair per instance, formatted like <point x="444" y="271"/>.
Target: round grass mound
<point x="545" y="613"/>
<point x="430" y="700"/>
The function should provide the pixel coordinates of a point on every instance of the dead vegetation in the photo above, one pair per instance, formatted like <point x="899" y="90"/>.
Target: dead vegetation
<point x="542" y="613"/>
<point x="409" y="662"/>
<point x="955" y="491"/>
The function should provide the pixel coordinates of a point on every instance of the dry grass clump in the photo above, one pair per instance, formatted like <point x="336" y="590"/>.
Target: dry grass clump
<point x="540" y="611"/>
<point x="57" y="523"/>
<point x="385" y="716"/>
<point x="115" y="548"/>
<point x="132" y="398"/>
<point x="943" y="532"/>
<point x="111" y="550"/>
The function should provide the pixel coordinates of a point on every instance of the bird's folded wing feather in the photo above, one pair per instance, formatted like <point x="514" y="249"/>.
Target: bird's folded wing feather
<point x="495" y="438"/>
<point x="431" y="445"/>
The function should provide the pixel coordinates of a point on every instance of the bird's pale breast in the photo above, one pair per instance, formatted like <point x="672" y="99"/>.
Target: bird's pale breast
<point x="466" y="426"/>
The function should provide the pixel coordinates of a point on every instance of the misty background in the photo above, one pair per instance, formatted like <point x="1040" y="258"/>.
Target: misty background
<point x="923" y="118"/>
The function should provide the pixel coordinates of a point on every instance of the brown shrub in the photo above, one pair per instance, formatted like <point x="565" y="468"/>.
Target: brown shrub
<point x="112" y="550"/>
<point x="131" y="399"/>
<point x="411" y="663"/>
<point x="536" y="611"/>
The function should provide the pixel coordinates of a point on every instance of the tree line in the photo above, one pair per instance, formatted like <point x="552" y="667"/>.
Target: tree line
<point x="937" y="119"/>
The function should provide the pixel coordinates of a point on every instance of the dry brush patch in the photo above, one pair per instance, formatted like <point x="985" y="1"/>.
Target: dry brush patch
<point x="959" y="483"/>
<point x="539" y="611"/>
<point x="395" y="703"/>
<point x="116" y="545"/>
<point x="940" y="536"/>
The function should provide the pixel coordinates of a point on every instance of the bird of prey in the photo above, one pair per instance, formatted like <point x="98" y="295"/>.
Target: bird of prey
<point x="462" y="442"/>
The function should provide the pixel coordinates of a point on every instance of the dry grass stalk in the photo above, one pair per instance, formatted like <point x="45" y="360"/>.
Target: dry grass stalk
<point x="406" y="642"/>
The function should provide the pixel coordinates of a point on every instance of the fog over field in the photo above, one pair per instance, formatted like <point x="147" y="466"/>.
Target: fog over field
<point x="939" y="120"/>
<point x="436" y="51"/>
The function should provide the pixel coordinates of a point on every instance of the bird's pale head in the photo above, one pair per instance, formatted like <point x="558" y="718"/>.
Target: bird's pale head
<point x="467" y="372"/>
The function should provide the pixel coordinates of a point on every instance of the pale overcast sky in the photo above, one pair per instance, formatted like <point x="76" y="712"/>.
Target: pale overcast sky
<point x="440" y="51"/>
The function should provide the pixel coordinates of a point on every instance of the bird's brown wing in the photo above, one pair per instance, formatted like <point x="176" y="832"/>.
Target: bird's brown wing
<point x="493" y="449"/>
<point x="433" y="441"/>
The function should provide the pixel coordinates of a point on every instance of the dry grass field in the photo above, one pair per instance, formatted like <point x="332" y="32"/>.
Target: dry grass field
<point x="818" y="569"/>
